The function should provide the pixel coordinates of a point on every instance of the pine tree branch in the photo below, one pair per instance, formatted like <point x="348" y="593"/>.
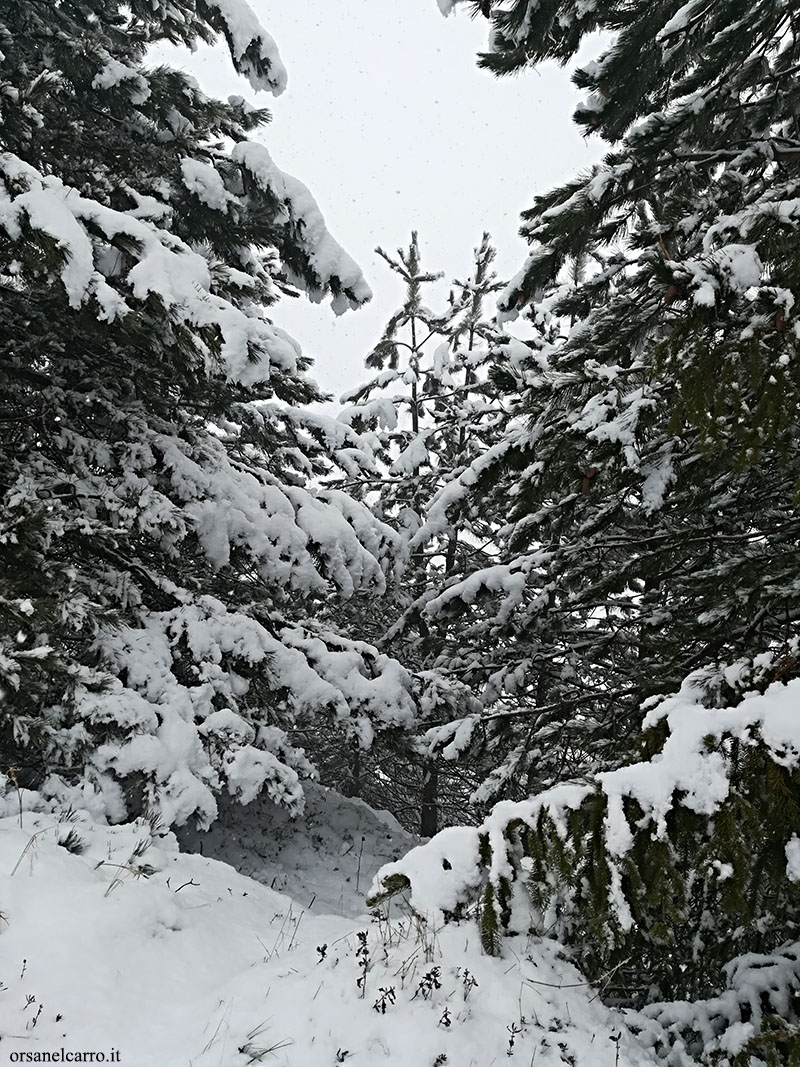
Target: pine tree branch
<point x="721" y="155"/>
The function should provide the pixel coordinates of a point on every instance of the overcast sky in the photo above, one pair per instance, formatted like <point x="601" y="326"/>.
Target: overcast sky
<point x="391" y="125"/>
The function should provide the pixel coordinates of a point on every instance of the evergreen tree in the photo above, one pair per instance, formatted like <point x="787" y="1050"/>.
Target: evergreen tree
<point x="168" y="558"/>
<point x="653" y="499"/>
<point x="432" y="408"/>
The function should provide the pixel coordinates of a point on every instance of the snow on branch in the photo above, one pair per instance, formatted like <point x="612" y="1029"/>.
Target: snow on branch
<point x="507" y="581"/>
<point x="85" y="232"/>
<point x="253" y="51"/>
<point x="193" y="736"/>
<point x="333" y="267"/>
<point x="352" y="677"/>
<point x="305" y="540"/>
<point x="756" y="984"/>
<point x="453" y="493"/>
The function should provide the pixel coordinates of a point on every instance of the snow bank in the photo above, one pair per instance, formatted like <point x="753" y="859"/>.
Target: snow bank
<point x="325" y="857"/>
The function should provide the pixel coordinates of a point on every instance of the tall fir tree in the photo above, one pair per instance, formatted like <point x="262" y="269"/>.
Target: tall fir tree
<point x="430" y="410"/>
<point x="168" y="558"/>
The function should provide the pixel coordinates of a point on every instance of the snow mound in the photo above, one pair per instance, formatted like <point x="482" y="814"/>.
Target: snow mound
<point x="324" y="858"/>
<point x="132" y="952"/>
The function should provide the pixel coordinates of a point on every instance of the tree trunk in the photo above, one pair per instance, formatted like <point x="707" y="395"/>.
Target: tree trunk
<point x="429" y="815"/>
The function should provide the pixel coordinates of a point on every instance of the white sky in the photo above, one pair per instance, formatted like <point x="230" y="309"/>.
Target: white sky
<point x="391" y="125"/>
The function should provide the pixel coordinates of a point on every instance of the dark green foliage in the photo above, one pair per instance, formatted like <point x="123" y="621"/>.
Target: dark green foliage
<point x="693" y="904"/>
<point x="489" y="925"/>
<point x="701" y="111"/>
<point x="777" y="1045"/>
<point x="393" y="884"/>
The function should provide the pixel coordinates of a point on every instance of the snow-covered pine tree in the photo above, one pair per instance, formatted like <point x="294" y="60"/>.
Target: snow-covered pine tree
<point x="699" y="103"/>
<point x="433" y="407"/>
<point x="654" y="502"/>
<point x="167" y="555"/>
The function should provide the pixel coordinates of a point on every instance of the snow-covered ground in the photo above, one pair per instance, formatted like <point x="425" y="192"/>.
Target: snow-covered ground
<point x="158" y="958"/>
<point x="325" y="859"/>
